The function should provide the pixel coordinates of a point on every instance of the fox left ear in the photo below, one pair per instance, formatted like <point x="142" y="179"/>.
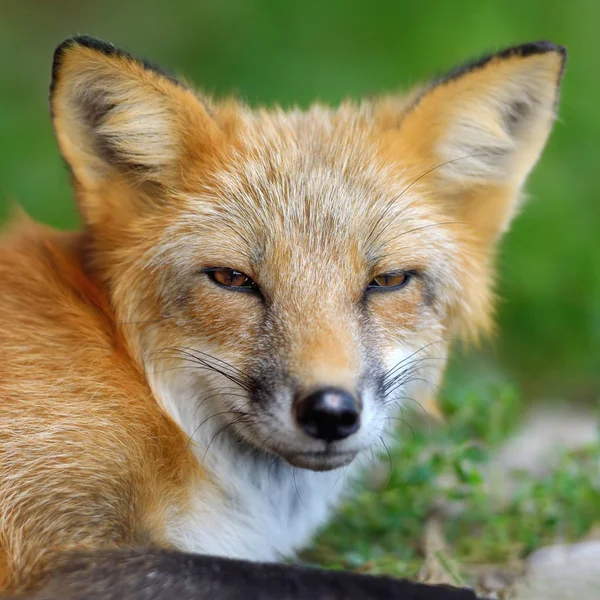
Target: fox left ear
<point x="121" y="121"/>
<point x="481" y="130"/>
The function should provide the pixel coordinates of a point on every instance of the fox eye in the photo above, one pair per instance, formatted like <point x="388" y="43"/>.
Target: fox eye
<point x="231" y="278"/>
<point x="390" y="281"/>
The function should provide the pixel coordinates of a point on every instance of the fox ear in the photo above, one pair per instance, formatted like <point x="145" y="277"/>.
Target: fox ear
<point x="481" y="130"/>
<point x="118" y="117"/>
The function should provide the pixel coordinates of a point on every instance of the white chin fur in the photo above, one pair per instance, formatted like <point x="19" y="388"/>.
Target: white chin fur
<point x="258" y="505"/>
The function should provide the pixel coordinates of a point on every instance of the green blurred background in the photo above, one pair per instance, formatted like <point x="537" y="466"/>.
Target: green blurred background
<point x="271" y="51"/>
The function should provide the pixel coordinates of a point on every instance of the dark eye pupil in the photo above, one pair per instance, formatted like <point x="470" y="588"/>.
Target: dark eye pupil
<point x="236" y="278"/>
<point x="390" y="280"/>
<point x="231" y="278"/>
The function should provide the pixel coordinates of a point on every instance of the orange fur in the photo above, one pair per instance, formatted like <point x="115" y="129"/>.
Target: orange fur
<point x="169" y="183"/>
<point x="78" y="439"/>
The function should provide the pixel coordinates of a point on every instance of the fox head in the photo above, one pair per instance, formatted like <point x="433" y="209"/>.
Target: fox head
<point x="289" y="278"/>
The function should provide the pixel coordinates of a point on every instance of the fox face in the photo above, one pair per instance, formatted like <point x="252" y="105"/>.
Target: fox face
<point x="289" y="279"/>
<point x="314" y="309"/>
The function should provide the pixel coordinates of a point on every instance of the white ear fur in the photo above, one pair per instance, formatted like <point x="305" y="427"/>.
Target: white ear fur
<point x="503" y="126"/>
<point x="482" y="128"/>
<point x="114" y="113"/>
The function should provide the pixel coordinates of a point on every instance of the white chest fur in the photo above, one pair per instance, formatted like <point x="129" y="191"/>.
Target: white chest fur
<point x="259" y="507"/>
<point x="262" y="510"/>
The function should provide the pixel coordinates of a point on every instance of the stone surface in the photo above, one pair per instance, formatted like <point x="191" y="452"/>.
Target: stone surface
<point x="562" y="572"/>
<point x="546" y="433"/>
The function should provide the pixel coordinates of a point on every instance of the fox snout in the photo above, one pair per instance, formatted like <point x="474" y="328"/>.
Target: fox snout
<point x="328" y="414"/>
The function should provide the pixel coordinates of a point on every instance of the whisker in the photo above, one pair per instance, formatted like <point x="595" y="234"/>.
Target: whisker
<point x="405" y="422"/>
<point x="435" y="385"/>
<point x="394" y="371"/>
<point x="223" y="412"/>
<point x="428" y="226"/>
<point x="425" y="346"/>
<point x="402" y="377"/>
<point x="186" y="355"/>
<point x="399" y="373"/>
<point x="390" y="460"/>
<point x="296" y="486"/>
<point x="406" y="380"/>
<point x="277" y="457"/>
<point x="233" y="422"/>
<point x="369" y="458"/>
<point x="342" y="474"/>
<point x="392" y="202"/>
<point x="219" y="360"/>
<point x="193" y="366"/>
<point x="412" y="400"/>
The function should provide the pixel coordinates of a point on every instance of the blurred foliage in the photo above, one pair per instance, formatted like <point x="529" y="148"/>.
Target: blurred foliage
<point x="440" y="471"/>
<point x="293" y="52"/>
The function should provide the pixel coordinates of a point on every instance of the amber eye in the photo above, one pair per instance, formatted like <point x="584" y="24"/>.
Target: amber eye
<point x="390" y="280"/>
<point x="231" y="278"/>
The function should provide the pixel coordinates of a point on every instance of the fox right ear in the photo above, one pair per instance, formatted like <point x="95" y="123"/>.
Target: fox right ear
<point x="117" y="117"/>
<point x="481" y="130"/>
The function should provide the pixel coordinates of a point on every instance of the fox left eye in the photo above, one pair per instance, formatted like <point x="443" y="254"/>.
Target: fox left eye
<point x="390" y="280"/>
<point x="231" y="278"/>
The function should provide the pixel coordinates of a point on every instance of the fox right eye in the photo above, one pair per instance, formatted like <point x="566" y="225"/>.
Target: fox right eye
<point x="391" y="281"/>
<point x="231" y="278"/>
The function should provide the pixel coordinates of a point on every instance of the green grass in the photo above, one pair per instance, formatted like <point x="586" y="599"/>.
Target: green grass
<point x="381" y="531"/>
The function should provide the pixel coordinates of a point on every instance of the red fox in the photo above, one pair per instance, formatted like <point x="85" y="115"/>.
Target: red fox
<point x="251" y="296"/>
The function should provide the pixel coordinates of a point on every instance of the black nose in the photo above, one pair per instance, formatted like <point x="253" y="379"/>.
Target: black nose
<point x="328" y="414"/>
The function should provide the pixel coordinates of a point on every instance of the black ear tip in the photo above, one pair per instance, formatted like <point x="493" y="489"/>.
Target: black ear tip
<point x="532" y="48"/>
<point x="102" y="47"/>
<point x="81" y="40"/>
<point x="520" y="51"/>
<point x="87" y="41"/>
<point x="542" y="47"/>
<point x="59" y="53"/>
<point x="539" y="47"/>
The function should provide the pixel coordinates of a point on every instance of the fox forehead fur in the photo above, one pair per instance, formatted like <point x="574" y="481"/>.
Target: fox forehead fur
<point x="188" y="385"/>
